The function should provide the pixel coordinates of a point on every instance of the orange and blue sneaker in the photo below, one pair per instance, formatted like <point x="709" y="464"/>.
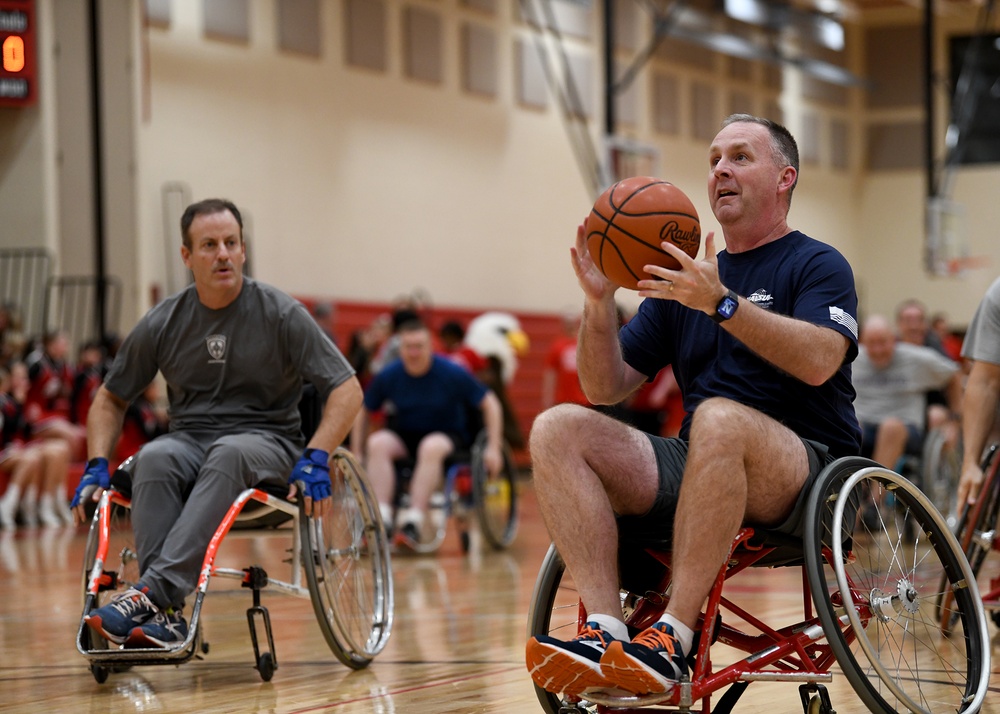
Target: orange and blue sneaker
<point x="652" y="663"/>
<point x="569" y="666"/>
<point x="165" y="629"/>
<point x="123" y="614"/>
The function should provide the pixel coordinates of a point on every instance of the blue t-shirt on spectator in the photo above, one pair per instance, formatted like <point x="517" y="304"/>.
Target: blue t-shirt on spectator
<point x="439" y="400"/>
<point x="795" y="276"/>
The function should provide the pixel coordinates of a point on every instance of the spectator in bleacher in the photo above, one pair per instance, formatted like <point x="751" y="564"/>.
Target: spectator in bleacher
<point x="950" y="342"/>
<point x="90" y="370"/>
<point x="47" y="405"/>
<point x="891" y="378"/>
<point x="11" y="337"/>
<point x="452" y="336"/>
<point x="426" y="400"/>
<point x="37" y="470"/>
<point x="325" y="315"/>
<point x="560" y="380"/>
<point x="365" y="344"/>
<point x="913" y="327"/>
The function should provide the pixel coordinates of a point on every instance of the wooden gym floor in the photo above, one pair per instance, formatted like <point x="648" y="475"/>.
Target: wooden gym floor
<point x="457" y="644"/>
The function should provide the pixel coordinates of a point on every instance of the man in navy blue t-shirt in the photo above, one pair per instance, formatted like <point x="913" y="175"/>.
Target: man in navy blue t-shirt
<point x="426" y="400"/>
<point x="760" y="337"/>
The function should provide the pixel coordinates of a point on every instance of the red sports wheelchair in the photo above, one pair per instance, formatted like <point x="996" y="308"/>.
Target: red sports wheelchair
<point x="869" y="594"/>
<point x="345" y="557"/>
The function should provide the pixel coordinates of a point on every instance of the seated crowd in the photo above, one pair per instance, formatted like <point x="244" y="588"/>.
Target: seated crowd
<point x="44" y="400"/>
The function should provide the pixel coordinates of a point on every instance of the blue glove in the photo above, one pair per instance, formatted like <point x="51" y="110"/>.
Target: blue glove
<point x="95" y="476"/>
<point x="312" y="474"/>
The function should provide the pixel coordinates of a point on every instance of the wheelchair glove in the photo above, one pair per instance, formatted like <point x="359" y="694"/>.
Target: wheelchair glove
<point x="95" y="476"/>
<point x="312" y="474"/>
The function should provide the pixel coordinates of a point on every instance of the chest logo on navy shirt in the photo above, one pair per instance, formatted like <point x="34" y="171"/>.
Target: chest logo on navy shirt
<point x="762" y="298"/>
<point x="216" y="348"/>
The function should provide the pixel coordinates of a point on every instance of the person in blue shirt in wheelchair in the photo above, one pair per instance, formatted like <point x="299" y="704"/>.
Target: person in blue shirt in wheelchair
<point x="234" y="354"/>
<point x="427" y="401"/>
<point x="760" y="338"/>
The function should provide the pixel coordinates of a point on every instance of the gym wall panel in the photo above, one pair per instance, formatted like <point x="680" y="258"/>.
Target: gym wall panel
<point x="365" y="34"/>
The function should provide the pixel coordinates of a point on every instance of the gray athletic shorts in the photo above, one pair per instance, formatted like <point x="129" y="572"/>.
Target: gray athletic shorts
<point x="656" y="525"/>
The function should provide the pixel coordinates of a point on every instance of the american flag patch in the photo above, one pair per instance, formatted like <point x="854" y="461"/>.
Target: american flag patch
<point x="839" y="316"/>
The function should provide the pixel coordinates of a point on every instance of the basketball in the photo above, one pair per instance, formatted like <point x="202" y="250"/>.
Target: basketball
<point x="631" y="219"/>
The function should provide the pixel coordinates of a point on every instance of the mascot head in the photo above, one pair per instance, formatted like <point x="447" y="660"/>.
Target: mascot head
<point x="498" y="335"/>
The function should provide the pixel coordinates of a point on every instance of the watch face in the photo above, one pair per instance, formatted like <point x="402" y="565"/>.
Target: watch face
<point x="727" y="307"/>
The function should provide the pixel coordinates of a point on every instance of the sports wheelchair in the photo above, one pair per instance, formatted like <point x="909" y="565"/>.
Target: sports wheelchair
<point x="868" y="605"/>
<point x="977" y="533"/>
<point x="936" y="470"/>
<point x="345" y="556"/>
<point x="469" y="488"/>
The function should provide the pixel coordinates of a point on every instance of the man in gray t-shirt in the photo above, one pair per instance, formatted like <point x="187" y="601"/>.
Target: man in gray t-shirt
<point x="234" y="354"/>
<point x="982" y="391"/>
<point x="891" y="379"/>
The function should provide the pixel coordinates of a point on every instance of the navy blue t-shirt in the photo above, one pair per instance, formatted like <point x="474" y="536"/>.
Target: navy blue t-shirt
<point x="796" y="276"/>
<point x="439" y="400"/>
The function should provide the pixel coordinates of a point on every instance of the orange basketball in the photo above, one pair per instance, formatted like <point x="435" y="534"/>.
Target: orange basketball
<point x="631" y="219"/>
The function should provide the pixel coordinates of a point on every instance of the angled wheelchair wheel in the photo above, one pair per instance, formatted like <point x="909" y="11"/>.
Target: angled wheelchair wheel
<point x="346" y="558"/>
<point x="941" y="465"/>
<point x="874" y="589"/>
<point x="975" y="532"/>
<point x="495" y="496"/>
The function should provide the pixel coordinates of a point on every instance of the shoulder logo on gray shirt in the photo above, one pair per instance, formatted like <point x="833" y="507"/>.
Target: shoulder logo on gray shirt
<point x="216" y="348"/>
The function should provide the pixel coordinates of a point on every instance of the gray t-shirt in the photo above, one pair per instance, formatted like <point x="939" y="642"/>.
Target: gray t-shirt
<point x="238" y="368"/>
<point x="982" y="340"/>
<point x="898" y="390"/>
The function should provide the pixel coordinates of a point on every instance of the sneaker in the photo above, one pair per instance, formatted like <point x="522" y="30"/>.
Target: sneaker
<point x="165" y="629"/>
<point x="119" y="617"/>
<point x="572" y="666"/>
<point x="652" y="663"/>
<point x="408" y="535"/>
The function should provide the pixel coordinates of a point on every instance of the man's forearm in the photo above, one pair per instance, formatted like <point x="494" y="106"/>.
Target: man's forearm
<point x="339" y="414"/>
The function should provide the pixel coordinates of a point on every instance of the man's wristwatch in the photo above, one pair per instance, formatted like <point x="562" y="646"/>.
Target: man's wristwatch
<point x="726" y="307"/>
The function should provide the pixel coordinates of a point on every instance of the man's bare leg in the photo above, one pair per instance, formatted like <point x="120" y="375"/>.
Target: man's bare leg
<point x="742" y="466"/>
<point x="587" y="467"/>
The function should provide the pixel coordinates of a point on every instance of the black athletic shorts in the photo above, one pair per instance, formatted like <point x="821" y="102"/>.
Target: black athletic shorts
<point x="656" y="525"/>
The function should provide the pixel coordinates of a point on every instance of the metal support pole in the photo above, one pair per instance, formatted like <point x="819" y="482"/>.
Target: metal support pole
<point x="100" y="275"/>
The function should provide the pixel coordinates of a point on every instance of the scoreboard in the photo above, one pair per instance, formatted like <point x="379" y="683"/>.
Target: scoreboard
<point x="18" y="69"/>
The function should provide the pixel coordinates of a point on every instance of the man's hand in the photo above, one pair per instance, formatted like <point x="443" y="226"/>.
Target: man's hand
<point x="95" y="481"/>
<point x="591" y="279"/>
<point x="694" y="284"/>
<point x="311" y="475"/>
<point x="968" y="486"/>
<point x="493" y="460"/>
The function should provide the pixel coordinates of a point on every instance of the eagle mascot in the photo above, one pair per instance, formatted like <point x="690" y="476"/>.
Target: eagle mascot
<point x="499" y="339"/>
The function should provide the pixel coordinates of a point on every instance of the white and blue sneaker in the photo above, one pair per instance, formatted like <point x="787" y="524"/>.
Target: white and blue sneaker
<point x="127" y="611"/>
<point x="165" y="630"/>
<point x="569" y="666"/>
<point x="652" y="663"/>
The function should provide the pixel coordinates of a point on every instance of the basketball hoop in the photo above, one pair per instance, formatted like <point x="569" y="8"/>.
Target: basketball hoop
<point x="946" y="248"/>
